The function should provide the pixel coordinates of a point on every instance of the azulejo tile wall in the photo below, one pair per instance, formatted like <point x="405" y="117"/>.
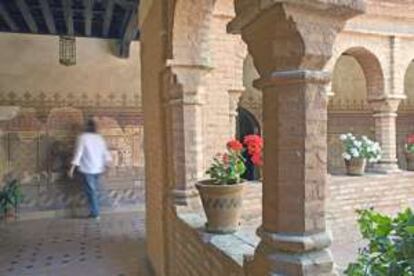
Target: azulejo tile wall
<point x="37" y="146"/>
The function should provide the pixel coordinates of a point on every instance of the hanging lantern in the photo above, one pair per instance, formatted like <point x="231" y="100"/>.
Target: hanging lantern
<point x="67" y="50"/>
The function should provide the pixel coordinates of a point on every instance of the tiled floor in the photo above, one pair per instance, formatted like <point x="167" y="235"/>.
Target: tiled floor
<point x="113" y="246"/>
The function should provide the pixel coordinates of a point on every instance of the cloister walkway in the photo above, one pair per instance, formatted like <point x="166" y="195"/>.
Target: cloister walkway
<point x="112" y="246"/>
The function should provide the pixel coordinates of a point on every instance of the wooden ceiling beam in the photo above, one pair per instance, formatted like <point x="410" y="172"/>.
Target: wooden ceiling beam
<point x="6" y="17"/>
<point x="126" y="4"/>
<point x="130" y="34"/>
<point x="108" y="17"/>
<point x="27" y="15"/>
<point x="68" y="14"/>
<point x="47" y="14"/>
<point x="88" y="15"/>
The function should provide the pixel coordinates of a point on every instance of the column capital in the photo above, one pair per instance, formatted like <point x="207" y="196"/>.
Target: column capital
<point x="180" y="64"/>
<point x="293" y="77"/>
<point x="248" y="10"/>
<point x="388" y="104"/>
<point x="236" y="92"/>
<point x="286" y="35"/>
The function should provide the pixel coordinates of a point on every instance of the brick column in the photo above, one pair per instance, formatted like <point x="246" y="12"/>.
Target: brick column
<point x="290" y="44"/>
<point x="185" y="102"/>
<point x="234" y="97"/>
<point x="295" y="119"/>
<point x="385" y="114"/>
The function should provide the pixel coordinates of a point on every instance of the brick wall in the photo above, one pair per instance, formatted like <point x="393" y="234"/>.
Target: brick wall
<point x="346" y="194"/>
<point x="194" y="256"/>
<point x="386" y="193"/>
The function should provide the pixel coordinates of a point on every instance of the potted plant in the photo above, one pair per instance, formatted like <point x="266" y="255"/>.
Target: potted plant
<point x="10" y="198"/>
<point x="357" y="152"/>
<point x="222" y="194"/>
<point x="409" y="152"/>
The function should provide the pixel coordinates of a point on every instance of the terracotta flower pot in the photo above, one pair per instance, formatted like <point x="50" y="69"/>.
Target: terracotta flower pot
<point x="409" y="156"/>
<point x="355" y="166"/>
<point x="222" y="206"/>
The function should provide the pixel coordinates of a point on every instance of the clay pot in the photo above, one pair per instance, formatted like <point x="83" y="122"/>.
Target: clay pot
<point x="222" y="206"/>
<point x="409" y="156"/>
<point x="355" y="166"/>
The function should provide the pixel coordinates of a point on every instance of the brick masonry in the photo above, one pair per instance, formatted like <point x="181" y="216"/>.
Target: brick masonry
<point x="386" y="193"/>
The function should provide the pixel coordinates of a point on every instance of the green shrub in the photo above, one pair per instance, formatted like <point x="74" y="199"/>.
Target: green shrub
<point x="10" y="196"/>
<point x="390" y="249"/>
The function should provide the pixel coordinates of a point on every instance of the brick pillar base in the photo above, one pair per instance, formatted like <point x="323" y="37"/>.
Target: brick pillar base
<point x="385" y="133"/>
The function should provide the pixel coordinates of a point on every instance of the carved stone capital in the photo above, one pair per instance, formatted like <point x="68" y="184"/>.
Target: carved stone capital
<point x="387" y="104"/>
<point x="293" y="77"/>
<point x="282" y="35"/>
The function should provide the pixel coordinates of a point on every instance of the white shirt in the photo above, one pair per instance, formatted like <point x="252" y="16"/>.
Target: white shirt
<point x="91" y="153"/>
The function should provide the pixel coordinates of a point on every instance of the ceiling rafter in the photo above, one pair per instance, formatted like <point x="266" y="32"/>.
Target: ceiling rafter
<point x="27" y="15"/>
<point x="6" y="17"/>
<point x="47" y="14"/>
<point x="130" y="34"/>
<point x="108" y="17"/>
<point x="68" y="14"/>
<point x="88" y="14"/>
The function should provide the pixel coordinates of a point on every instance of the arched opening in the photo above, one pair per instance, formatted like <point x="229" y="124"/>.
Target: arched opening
<point x="405" y="119"/>
<point x="247" y="124"/>
<point x="356" y="78"/>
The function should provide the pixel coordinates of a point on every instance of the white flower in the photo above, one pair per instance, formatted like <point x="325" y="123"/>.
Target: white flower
<point x="354" y="152"/>
<point x="357" y="144"/>
<point x="342" y="137"/>
<point x="346" y="156"/>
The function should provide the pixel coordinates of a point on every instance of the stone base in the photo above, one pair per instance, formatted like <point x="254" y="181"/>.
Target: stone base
<point x="385" y="168"/>
<point x="286" y="254"/>
<point x="267" y="262"/>
<point x="184" y="197"/>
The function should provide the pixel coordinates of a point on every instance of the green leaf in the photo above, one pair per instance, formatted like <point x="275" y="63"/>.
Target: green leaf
<point x="410" y="229"/>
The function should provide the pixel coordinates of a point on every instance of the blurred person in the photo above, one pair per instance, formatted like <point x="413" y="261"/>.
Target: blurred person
<point x="91" y="158"/>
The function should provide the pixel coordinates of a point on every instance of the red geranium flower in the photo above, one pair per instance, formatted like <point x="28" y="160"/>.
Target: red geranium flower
<point x="257" y="159"/>
<point x="235" y="145"/>
<point x="226" y="159"/>
<point x="254" y="145"/>
<point x="410" y="139"/>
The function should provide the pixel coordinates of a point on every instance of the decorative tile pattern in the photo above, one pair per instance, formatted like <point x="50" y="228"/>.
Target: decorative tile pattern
<point x="112" y="246"/>
<point x="38" y="145"/>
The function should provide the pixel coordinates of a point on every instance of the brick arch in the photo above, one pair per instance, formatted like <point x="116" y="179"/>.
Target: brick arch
<point x="371" y="66"/>
<point x="190" y="31"/>
<point x="403" y="76"/>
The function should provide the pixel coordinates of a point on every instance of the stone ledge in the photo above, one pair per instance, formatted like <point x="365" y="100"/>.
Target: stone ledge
<point x="234" y="246"/>
<point x="368" y="176"/>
